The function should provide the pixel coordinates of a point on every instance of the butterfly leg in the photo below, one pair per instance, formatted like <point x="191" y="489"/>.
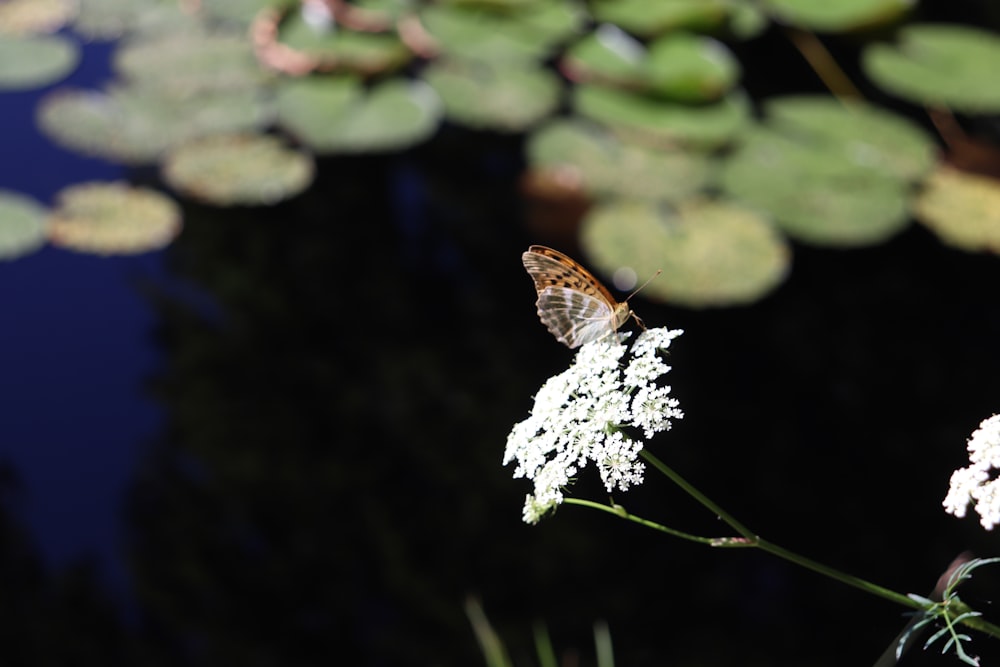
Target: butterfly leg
<point x="638" y="320"/>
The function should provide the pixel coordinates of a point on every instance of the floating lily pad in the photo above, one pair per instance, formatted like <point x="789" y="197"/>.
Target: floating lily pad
<point x="508" y="97"/>
<point x="830" y="173"/>
<point x="110" y="19"/>
<point x="343" y="50"/>
<point x="531" y="33"/>
<point x="963" y="209"/>
<point x="35" y="17"/>
<point x="863" y="134"/>
<point x="939" y="65"/>
<point x="649" y="18"/>
<point x="113" y="219"/>
<point x="22" y="225"/>
<point x="237" y="169"/>
<point x="189" y="64"/>
<point x="337" y="114"/>
<point x="33" y="62"/>
<point x="607" y="167"/>
<point x="682" y="66"/>
<point x="711" y="253"/>
<point x="662" y="121"/>
<point x="136" y="124"/>
<point x="837" y="16"/>
<point x="243" y="11"/>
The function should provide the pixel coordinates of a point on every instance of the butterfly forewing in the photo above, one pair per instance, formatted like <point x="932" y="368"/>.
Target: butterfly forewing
<point x="572" y="303"/>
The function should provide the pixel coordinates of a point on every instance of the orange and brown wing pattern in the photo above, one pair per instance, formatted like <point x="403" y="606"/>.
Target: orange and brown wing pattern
<point x="550" y="267"/>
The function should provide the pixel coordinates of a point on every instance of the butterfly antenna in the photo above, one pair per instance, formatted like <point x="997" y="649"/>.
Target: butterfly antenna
<point x="642" y="286"/>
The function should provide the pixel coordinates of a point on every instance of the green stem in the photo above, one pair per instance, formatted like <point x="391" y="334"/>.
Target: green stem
<point x="749" y="539"/>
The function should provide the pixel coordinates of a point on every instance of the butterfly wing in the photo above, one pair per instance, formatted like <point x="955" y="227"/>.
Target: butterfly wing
<point x="574" y="317"/>
<point x="572" y="303"/>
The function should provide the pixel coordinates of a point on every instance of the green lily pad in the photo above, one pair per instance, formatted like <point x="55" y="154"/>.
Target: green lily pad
<point x="863" y="134"/>
<point x="662" y="121"/>
<point x="815" y="194"/>
<point x="531" y="33"/>
<point x="113" y="219"/>
<point x="682" y="66"/>
<point x="35" y="17"/>
<point x="607" y="167"/>
<point x="649" y="18"/>
<point x="963" y="209"/>
<point x="237" y="169"/>
<point x="939" y="65"/>
<point x="508" y="98"/>
<point x="841" y="15"/>
<point x="345" y="50"/>
<point x="22" y="225"/>
<point x="189" y="64"/>
<point x="110" y="19"/>
<point x="338" y="115"/>
<point x="711" y="253"/>
<point x="243" y="11"/>
<point x="830" y="173"/>
<point x="136" y="124"/>
<point x="33" y="62"/>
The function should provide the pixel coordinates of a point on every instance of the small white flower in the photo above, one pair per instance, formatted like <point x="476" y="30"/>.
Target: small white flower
<point x="586" y="414"/>
<point x="978" y="483"/>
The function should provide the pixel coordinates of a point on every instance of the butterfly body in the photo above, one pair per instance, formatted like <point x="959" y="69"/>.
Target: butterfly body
<point x="572" y="304"/>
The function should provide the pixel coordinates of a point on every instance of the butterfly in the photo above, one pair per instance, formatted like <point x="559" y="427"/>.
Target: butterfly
<point x="572" y="303"/>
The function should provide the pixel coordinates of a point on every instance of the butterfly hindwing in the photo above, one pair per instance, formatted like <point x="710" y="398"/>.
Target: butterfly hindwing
<point x="574" y="317"/>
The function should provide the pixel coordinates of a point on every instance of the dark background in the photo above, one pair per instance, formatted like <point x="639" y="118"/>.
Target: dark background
<point x="279" y="441"/>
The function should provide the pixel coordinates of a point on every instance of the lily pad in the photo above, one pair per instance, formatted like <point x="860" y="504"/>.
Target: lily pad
<point x="842" y="15"/>
<point x="863" y="134"/>
<point x="113" y="219"/>
<point x="337" y="114"/>
<point x="607" y="167"/>
<point x="508" y="97"/>
<point x="830" y="173"/>
<point x="649" y="18"/>
<point x="22" y="225"/>
<point x="35" y="17"/>
<point x="136" y="124"/>
<point x="110" y="19"/>
<point x="682" y="66"/>
<point x="815" y="194"/>
<point x="33" y="62"/>
<point x="939" y="65"/>
<point x="343" y="50"/>
<point x="711" y="253"/>
<point x="661" y="121"/>
<point x="963" y="209"/>
<point x="237" y="169"/>
<point x="531" y="33"/>
<point x="189" y="64"/>
<point x="243" y="11"/>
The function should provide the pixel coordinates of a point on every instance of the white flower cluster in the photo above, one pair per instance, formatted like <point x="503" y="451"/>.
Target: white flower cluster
<point x="580" y="415"/>
<point x="978" y="483"/>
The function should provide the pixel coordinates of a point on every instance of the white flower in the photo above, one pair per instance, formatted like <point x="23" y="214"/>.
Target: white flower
<point x="587" y="413"/>
<point x="977" y="483"/>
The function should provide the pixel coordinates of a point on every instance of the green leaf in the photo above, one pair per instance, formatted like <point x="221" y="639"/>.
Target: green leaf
<point x="939" y="65"/>
<point x="662" y="121"/>
<point x="113" y="219"/>
<point x="337" y="114"/>
<point x="837" y="16"/>
<point x="507" y="97"/>
<point x="962" y="209"/>
<point x="681" y="67"/>
<point x="649" y="18"/>
<point x="22" y="225"/>
<point x="711" y="253"/>
<point x="829" y="173"/>
<point x="607" y="167"/>
<point x="345" y="50"/>
<point x="237" y="169"/>
<point x="33" y="62"/>
<point x="492" y="36"/>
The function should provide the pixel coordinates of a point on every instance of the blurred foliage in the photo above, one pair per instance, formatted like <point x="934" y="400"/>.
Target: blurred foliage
<point x="658" y="79"/>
